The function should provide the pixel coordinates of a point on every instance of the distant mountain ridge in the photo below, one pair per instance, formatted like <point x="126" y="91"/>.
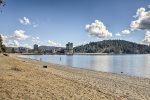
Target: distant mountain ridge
<point x="113" y="47"/>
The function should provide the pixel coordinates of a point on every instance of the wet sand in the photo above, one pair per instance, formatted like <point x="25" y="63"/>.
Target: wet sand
<point x="26" y="79"/>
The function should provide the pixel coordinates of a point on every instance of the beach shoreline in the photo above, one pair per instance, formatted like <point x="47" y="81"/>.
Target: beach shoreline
<point x="78" y="68"/>
<point x="23" y="78"/>
<point x="86" y="68"/>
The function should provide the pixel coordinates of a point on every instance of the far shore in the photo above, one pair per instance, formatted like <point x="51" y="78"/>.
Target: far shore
<point x="79" y="54"/>
<point x="26" y="79"/>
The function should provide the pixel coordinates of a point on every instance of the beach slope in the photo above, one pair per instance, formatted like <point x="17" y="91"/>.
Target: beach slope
<point x="25" y="79"/>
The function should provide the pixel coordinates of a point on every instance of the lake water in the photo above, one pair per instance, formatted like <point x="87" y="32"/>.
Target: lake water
<point x="135" y="65"/>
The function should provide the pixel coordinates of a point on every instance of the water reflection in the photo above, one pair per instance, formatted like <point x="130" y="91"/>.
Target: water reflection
<point x="101" y="63"/>
<point x="69" y="60"/>
<point x="137" y="65"/>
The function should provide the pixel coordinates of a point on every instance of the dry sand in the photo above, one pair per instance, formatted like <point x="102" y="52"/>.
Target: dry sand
<point x="25" y="79"/>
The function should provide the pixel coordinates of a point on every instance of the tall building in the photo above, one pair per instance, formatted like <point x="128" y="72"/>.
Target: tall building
<point x="35" y="48"/>
<point x="69" y="48"/>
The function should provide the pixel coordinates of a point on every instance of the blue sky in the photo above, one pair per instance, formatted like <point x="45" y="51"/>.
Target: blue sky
<point x="56" y="22"/>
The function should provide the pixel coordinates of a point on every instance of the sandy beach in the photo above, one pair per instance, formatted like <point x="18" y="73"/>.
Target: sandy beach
<point x="26" y="79"/>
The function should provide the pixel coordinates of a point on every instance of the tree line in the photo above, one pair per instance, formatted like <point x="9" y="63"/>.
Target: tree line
<point x="114" y="47"/>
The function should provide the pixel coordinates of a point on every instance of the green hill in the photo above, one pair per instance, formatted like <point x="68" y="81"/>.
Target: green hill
<point x="114" y="47"/>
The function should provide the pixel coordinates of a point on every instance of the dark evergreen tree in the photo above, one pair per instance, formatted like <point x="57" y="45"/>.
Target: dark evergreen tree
<point x="2" y="47"/>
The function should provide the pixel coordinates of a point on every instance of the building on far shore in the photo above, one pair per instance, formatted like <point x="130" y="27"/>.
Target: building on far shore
<point x="35" y="47"/>
<point x="69" y="49"/>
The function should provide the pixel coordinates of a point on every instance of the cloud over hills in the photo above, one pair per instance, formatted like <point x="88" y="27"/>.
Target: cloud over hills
<point x="97" y="29"/>
<point x="147" y="37"/>
<point x="9" y="41"/>
<point x="14" y="39"/>
<point x="125" y="32"/>
<point x="142" y="21"/>
<point x="118" y="34"/>
<point x="20" y="35"/>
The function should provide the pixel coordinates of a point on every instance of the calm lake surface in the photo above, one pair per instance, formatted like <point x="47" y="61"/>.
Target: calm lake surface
<point x="135" y="65"/>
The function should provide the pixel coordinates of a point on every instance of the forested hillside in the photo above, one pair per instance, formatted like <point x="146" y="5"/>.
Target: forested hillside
<point x="113" y="46"/>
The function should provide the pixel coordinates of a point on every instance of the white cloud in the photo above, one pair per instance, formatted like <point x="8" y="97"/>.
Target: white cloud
<point x="97" y="29"/>
<point x="148" y="6"/>
<point x="147" y="37"/>
<point x="27" y="46"/>
<point x="142" y="21"/>
<point x="85" y="42"/>
<point x="51" y="43"/>
<point x="25" y="21"/>
<point x="12" y="43"/>
<point x="36" y="40"/>
<point x="14" y="40"/>
<point x="20" y="35"/>
<point x="125" y="32"/>
<point x="16" y="43"/>
<point x="118" y="34"/>
<point x="4" y="37"/>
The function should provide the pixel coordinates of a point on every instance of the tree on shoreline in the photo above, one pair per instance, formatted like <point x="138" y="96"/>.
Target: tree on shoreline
<point x="2" y="47"/>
